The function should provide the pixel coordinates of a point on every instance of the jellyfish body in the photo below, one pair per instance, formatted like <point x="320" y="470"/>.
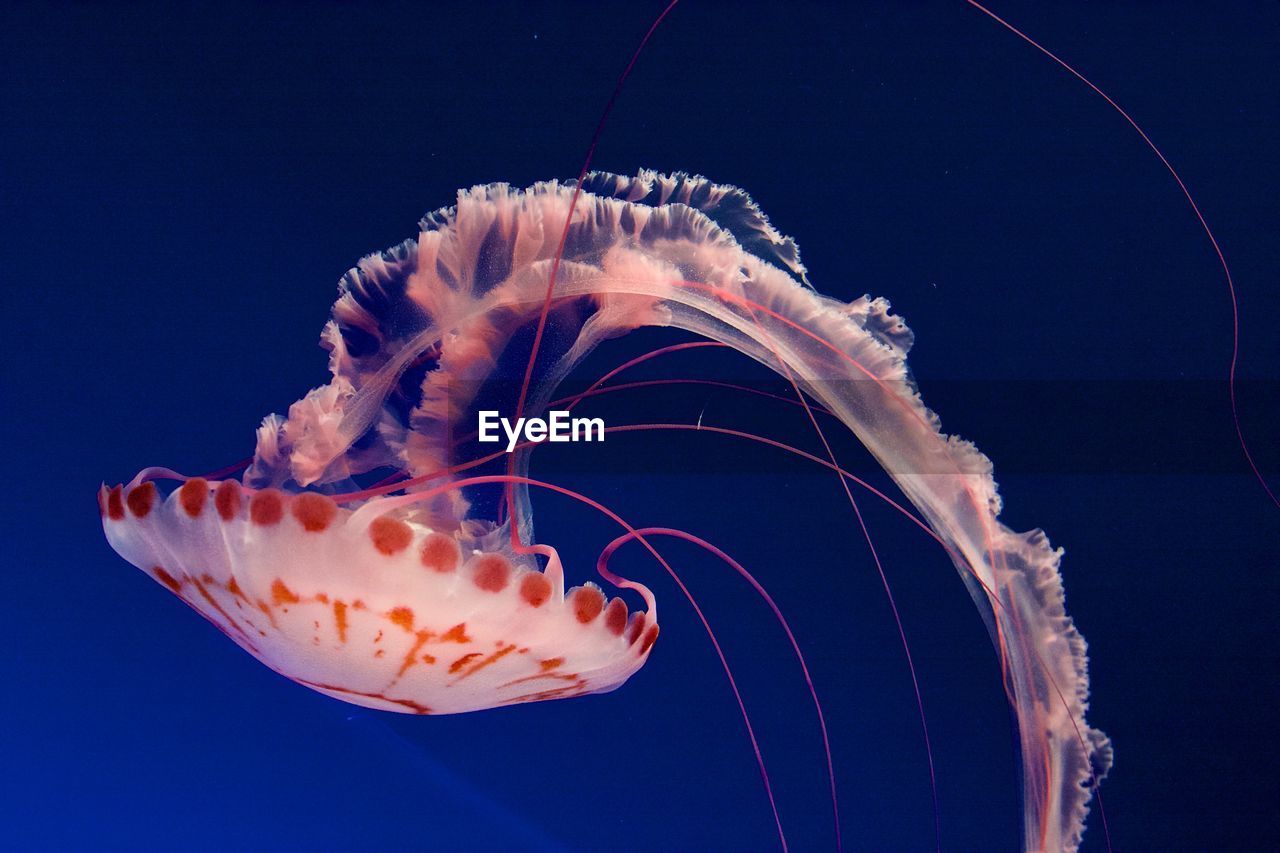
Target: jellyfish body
<point x="425" y="334"/>
<point x="379" y="611"/>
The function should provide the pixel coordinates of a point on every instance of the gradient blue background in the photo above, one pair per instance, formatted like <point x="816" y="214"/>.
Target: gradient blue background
<point x="182" y="188"/>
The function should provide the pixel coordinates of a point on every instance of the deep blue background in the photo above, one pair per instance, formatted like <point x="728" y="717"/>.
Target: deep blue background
<point x="181" y="188"/>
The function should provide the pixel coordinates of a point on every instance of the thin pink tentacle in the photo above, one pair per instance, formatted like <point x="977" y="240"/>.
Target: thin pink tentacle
<point x="230" y="469"/>
<point x="777" y="613"/>
<point x="632" y="533"/>
<point x="973" y="500"/>
<point x="166" y="473"/>
<point x="386" y="489"/>
<point x="1204" y="224"/>
<point x="570" y="402"/>
<point x="648" y="383"/>
<point x="564" y="236"/>
<point x="641" y="360"/>
<point x="884" y="578"/>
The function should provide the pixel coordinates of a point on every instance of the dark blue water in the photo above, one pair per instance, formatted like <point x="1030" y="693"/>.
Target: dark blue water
<point x="181" y="189"/>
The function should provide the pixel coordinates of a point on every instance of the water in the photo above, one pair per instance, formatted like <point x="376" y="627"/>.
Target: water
<point x="184" y="189"/>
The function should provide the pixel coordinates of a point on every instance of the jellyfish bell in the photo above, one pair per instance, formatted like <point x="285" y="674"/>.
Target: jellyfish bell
<point x="378" y="610"/>
<point x="331" y="584"/>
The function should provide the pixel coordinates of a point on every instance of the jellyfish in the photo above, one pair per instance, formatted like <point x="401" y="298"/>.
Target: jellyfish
<point x="427" y="591"/>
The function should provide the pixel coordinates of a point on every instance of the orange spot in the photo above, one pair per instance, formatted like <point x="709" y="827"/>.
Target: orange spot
<point x="234" y="589"/>
<point x="313" y="511"/>
<point x="615" y="617"/>
<point x="141" y="499"/>
<point x="266" y="507"/>
<point x="637" y="625"/>
<point x="428" y="659"/>
<point x="322" y="598"/>
<point x="587" y="603"/>
<point x="440" y="553"/>
<point x="340" y="619"/>
<point x="463" y="661"/>
<point x="456" y="634"/>
<point x="551" y="663"/>
<point x="535" y="589"/>
<point x="281" y="594"/>
<point x="403" y="617"/>
<point x="390" y="535"/>
<point x="115" y="506"/>
<point x="167" y="579"/>
<point x="227" y="499"/>
<point x="492" y="572"/>
<point x="192" y="496"/>
<point x="650" y="637"/>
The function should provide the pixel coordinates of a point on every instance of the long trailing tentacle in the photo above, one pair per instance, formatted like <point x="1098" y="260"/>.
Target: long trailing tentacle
<point x="1204" y="225"/>
<point x="377" y="507"/>
<point x="613" y="546"/>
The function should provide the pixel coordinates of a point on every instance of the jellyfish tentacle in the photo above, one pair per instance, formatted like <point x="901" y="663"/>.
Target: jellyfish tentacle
<point x="652" y="354"/>
<point x="602" y="565"/>
<point x="625" y="264"/>
<point x="564" y="236"/>
<point x="785" y="368"/>
<point x="940" y="475"/>
<point x="570" y="402"/>
<point x="160" y="473"/>
<point x="377" y="507"/>
<point x="1204" y="225"/>
<point x="995" y="601"/>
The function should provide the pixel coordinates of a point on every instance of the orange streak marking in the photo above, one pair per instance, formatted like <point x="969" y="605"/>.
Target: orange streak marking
<point x="281" y="594"/>
<point x="556" y="676"/>
<point x="463" y="661"/>
<point x="416" y="707"/>
<point x="204" y="592"/>
<point x="340" y="619"/>
<point x="167" y="579"/>
<point x="411" y="658"/>
<point x="493" y="658"/>
<point x="553" y="693"/>
<point x="456" y="634"/>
